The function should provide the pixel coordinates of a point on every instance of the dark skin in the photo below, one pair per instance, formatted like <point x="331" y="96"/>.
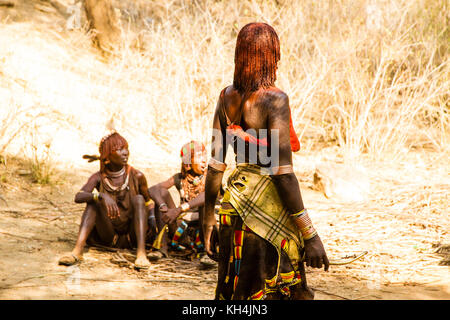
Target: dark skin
<point x="169" y="212"/>
<point x="262" y="109"/>
<point x="101" y="214"/>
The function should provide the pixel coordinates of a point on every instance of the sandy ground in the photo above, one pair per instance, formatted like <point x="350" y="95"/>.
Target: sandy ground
<point x="40" y="223"/>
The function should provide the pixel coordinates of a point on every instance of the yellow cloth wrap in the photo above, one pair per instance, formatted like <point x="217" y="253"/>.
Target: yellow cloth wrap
<point x="149" y="202"/>
<point x="231" y="212"/>
<point x="255" y="198"/>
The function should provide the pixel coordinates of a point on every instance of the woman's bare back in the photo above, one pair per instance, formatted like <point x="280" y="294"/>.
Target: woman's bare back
<point x="257" y="107"/>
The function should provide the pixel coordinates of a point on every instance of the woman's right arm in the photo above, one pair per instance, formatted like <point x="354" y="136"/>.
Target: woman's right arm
<point x="286" y="182"/>
<point x="216" y="168"/>
<point x="86" y="193"/>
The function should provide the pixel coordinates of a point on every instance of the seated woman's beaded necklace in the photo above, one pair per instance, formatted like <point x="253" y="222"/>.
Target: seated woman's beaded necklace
<point x="116" y="174"/>
<point x="191" y="186"/>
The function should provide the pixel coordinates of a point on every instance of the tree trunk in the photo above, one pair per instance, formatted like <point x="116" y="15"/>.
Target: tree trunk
<point x="103" y="23"/>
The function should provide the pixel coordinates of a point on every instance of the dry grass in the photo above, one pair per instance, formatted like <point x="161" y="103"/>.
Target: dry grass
<point x="370" y="77"/>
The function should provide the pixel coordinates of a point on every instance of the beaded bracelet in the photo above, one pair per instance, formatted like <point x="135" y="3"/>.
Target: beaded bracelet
<point x="305" y="224"/>
<point x="95" y="196"/>
<point x="309" y="235"/>
<point x="299" y="214"/>
<point x="306" y="229"/>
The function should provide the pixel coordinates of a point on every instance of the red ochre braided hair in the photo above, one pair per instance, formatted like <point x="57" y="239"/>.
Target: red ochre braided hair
<point x="255" y="66"/>
<point x="109" y="143"/>
<point x="256" y="56"/>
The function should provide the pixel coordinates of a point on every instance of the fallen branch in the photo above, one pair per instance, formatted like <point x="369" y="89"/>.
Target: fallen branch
<point x="13" y="211"/>
<point x="176" y="275"/>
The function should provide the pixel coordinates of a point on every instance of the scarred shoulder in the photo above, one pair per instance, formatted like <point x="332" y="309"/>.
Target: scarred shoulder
<point x="231" y="95"/>
<point x="277" y="98"/>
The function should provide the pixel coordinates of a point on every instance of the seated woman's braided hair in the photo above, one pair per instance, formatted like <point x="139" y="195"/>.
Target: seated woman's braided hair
<point x="108" y="144"/>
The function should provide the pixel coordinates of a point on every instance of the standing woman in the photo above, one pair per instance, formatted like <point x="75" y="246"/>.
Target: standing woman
<point x="265" y="233"/>
<point x="116" y="213"/>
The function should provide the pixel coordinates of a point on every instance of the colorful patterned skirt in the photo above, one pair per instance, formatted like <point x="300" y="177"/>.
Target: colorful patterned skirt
<point x="260" y="251"/>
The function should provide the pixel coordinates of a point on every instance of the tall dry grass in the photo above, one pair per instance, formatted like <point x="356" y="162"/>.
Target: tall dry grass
<point x="368" y="76"/>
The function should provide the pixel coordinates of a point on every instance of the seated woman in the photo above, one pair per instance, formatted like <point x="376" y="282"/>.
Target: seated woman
<point x="190" y="183"/>
<point x="116" y="214"/>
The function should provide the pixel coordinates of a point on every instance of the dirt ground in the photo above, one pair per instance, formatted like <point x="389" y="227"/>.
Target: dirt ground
<point x="39" y="223"/>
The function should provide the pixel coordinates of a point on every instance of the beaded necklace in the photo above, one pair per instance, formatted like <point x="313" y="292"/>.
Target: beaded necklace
<point x="116" y="174"/>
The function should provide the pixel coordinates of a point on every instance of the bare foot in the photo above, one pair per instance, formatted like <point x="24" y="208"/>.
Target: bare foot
<point x="70" y="259"/>
<point x="142" y="262"/>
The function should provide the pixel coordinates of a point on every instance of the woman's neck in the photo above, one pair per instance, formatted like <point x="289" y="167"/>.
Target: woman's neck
<point x="114" y="167"/>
